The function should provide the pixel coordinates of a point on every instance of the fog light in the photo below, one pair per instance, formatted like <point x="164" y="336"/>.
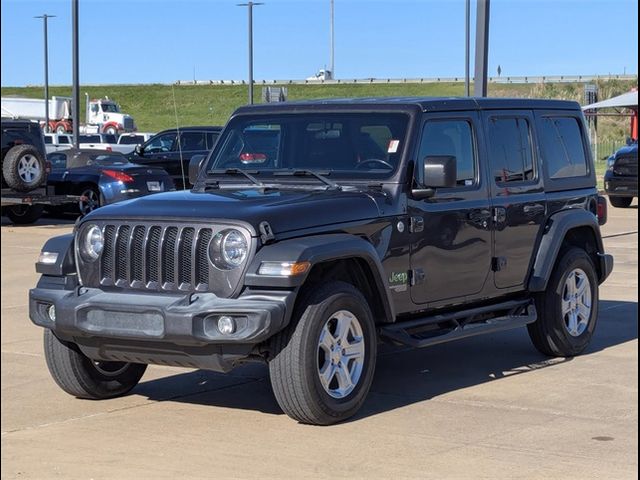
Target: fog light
<point x="51" y="311"/>
<point x="226" y="325"/>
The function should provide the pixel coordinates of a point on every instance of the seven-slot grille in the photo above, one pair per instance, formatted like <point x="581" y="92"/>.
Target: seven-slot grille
<point x="127" y="123"/>
<point x="156" y="257"/>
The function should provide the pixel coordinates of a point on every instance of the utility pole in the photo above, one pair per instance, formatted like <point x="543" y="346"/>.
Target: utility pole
<point x="482" y="49"/>
<point x="332" y="46"/>
<point x="250" y="6"/>
<point x="467" y="35"/>
<point x="45" y="17"/>
<point x="75" y="94"/>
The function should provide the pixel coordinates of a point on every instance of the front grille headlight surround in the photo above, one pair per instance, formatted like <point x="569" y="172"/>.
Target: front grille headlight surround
<point x="229" y="249"/>
<point x="91" y="242"/>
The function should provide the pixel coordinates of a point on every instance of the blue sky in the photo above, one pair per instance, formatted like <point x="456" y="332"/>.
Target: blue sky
<point x="145" y="41"/>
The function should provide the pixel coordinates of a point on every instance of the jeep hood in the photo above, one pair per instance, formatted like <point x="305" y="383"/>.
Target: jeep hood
<point x="285" y="210"/>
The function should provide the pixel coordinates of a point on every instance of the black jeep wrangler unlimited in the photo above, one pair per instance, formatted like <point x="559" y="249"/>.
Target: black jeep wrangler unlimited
<point x="316" y="229"/>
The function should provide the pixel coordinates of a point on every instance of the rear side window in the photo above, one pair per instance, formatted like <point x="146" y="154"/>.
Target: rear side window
<point x="48" y="140"/>
<point x="63" y="139"/>
<point x="562" y="147"/>
<point x="511" y="150"/>
<point x="192" y="141"/>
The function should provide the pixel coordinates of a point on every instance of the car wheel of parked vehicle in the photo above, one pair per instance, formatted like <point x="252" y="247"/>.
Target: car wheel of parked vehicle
<point x="82" y="377"/>
<point x="89" y="200"/>
<point x="24" y="214"/>
<point x="323" y="363"/>
<point x="60" y="129"/>
<point x="620" y="202"/>
<point x="23" y="168"/>
<point x="111" y="131"/>
<point x="568" y="309"/>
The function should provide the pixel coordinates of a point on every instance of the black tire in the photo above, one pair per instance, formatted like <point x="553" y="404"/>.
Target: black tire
<point x="94" y="199"/>
<point x="24" y="214"/>
<point x="621" y="202"/>
<point x="23" y="168"/>
<point x="81" y="377"/>
<point x="295" y="363"/>
<point x="550" y="332"/>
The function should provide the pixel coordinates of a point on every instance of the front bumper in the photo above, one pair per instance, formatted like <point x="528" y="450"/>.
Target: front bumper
<point x="619" y="186"/>
<point x="165" y="329"/>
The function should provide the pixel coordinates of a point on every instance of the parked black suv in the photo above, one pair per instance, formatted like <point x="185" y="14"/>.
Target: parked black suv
<point x="165" y="151"/>
<point x="621" y="177"/>
<point x="315" y="229"/>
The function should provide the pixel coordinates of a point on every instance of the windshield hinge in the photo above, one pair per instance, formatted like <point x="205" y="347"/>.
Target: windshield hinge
<point x="266" y="233"/>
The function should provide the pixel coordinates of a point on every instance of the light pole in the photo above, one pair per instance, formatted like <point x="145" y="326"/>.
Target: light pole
<point x="46" y="17"/>
<point x="250" y="6"/>
<point x="467" y="35"/>
<point x="331" y="59"/>
<point x="482" y="48"/>
<point x="75" y="93"/>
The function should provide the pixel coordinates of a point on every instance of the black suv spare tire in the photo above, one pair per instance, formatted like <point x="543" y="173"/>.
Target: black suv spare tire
<point x="23" y="168"/>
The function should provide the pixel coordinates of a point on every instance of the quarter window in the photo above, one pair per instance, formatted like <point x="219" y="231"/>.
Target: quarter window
<point x="511" y="150"/>
<point x="451" y="137"/>
<point x="562" y="147"/>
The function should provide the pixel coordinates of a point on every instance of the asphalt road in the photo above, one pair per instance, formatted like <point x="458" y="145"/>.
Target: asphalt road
<point x="486" y="407"/>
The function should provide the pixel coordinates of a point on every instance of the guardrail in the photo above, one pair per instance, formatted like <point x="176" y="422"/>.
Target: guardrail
<point x="343" y="81"/>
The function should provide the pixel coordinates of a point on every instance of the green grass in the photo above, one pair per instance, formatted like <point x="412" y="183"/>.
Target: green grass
<point x="154" y="109"/>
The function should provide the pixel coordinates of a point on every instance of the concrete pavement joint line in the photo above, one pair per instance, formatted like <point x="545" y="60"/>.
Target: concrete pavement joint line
<point x="122" y="409"/>
<point x="613" y="235"/>
<point x="15" y="306"/>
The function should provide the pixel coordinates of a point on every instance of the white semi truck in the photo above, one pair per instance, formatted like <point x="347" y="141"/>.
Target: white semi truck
<point x="103" y="115"/>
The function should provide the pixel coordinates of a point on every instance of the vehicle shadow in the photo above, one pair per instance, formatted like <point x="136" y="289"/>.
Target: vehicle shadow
<point x="46" y="220"/>
<point x="403" y="376"/>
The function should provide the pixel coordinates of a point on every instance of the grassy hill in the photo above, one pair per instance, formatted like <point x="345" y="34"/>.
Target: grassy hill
<point x="154" y="109"/>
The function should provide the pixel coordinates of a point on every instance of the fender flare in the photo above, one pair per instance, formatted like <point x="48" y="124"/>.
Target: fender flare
<point x="65" y="263"/>
<point x="555" y="231"/>
<point x="110" y="124"/>
<point x="316" y="250"/>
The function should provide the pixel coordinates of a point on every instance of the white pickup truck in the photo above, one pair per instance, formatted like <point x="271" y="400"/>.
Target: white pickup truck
<point x="54" y="142"/>
<point x="127" y="142"/>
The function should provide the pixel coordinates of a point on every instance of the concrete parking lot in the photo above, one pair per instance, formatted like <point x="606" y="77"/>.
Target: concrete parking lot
<point x="487" y="407"/>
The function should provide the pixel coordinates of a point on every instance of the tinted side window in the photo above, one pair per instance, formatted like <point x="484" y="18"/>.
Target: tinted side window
<point x="190" y="141"/>
<point x="161" y="143"/>
<point x="510" y="149"/>
<point x="58" y="161"/>
<point x="451" y="137"/>
<point x="212" y="138"/>
<point x="562" y="147"/>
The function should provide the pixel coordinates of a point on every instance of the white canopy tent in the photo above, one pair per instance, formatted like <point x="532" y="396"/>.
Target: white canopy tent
<point x="626" y="100"/>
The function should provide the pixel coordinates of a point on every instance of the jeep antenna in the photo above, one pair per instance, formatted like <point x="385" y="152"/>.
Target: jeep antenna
<point x="178" y="138"/>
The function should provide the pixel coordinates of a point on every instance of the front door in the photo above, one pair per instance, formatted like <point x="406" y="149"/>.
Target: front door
<point x="519" y="203"/>
<point x="451" y="231"/>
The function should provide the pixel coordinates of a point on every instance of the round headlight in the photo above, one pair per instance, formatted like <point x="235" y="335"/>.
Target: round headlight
<point x="229" y="249"/>
<point x="92" y="243"/>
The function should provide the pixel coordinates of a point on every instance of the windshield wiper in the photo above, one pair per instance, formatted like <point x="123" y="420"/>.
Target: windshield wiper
<point x="309" y="173"/>
<point x="237" y="171"/>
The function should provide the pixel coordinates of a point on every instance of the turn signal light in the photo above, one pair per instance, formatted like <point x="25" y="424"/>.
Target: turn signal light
<point x="283" y="269"/>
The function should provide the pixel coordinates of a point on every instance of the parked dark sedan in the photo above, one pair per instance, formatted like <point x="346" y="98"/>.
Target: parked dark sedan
<point x="169" y="147"/>
<point x="101" y="177"/>
<point x="621" y="177"/>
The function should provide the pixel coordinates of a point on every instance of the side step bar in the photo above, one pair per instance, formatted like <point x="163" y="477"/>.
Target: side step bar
<point x="427" y="331"/>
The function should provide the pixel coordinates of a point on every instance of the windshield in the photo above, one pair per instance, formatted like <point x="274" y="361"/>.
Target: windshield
<point x="131" y="139"/>
<point x="350" y="145"/>
<point x="110" y="107"/>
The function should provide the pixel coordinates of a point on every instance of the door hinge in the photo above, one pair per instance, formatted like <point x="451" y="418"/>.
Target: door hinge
<point x="498" y="263"/>
<point x="416" y="224"/>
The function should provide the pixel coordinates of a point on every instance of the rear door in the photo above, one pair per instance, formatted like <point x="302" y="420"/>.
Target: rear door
<point x="518" y="199"/>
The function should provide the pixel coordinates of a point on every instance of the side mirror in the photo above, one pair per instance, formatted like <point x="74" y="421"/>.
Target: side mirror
<point x="195" y="164"/>
<point x="439" y="172"/>
<point x="139" y="150"/>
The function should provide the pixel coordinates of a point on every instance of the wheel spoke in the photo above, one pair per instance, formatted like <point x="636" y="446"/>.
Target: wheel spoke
<point x="326" y="339"/>
<point x="583" y="312"/>
<point x="344" y="377"/>
<point x="573" y="323"/>
<point x="326" y="374"/>
<point x="354" y="349"/>
<point x="582" y="286"/>
<point x="566" y="307"/>
<point x="342" y="326"/>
